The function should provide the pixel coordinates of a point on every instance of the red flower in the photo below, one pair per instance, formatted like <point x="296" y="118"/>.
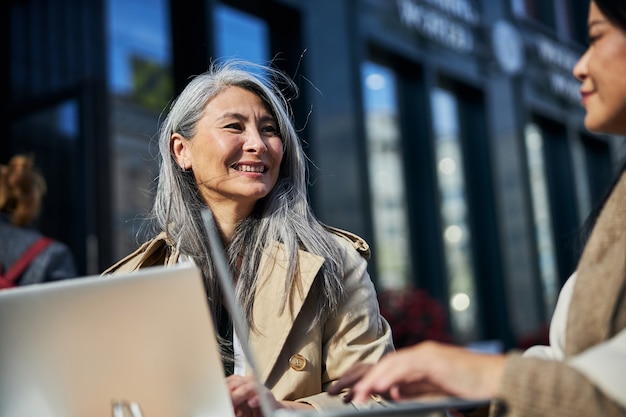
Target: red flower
<point x="414" y="316"/>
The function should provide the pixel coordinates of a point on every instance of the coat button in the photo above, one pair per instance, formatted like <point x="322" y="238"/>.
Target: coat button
<point x="297" y="362"/>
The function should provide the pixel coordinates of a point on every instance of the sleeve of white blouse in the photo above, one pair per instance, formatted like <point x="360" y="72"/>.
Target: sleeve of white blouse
<point x="556" y="350"/>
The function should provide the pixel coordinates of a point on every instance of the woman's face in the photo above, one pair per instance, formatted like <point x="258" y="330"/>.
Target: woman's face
<point x="236" y="153"/>
<point x="602" y="70"/>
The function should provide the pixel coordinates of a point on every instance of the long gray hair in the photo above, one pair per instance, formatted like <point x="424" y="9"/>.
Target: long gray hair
<point x="284" y="215"/>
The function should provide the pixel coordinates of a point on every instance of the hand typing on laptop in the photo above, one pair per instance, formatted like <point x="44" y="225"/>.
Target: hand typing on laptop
<point x="428" y="369"/>
<point x="245" y="397"/>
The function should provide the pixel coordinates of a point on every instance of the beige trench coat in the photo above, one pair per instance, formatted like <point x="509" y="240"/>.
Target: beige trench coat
<point x="297" y="363"/>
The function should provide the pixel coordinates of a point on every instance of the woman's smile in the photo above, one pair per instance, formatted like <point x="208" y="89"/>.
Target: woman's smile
<point x="250" y="168"/>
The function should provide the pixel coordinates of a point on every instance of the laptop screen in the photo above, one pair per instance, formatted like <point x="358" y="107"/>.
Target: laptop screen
<point x="79" y="347"/>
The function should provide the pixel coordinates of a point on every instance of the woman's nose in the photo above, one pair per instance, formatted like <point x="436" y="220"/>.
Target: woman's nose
<point x="254" y="142"/>
<point x="580" y="69"/>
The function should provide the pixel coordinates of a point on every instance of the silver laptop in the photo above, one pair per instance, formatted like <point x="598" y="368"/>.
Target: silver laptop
<point x="139" y="344"/>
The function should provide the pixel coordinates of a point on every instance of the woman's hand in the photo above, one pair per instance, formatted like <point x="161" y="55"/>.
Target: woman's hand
<point x="245" y="392"/>
<point x="426" y="369"/>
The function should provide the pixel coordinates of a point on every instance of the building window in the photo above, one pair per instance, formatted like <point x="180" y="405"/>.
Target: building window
<point x="140" y="86"/>
<point x="544" y="239"/>
<point x="386" y="177"/>
<point x="139" y="53"/>
<point x="454" y="212"/>
<point x="240" y="35"/>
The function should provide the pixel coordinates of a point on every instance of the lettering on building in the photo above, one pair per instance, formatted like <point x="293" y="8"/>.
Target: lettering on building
<point x="565" y="86"/>
<point x="554" y="54"/>
<point x="460" y="9"/>
<point x="559" y="62"/>
<point x="437" y="26"/>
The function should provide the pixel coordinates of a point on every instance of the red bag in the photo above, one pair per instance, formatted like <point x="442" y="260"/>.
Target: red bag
<point x="8" y="280"/>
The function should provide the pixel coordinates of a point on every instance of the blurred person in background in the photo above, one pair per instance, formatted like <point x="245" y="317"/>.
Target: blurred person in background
<point x="26" y="256"/>
<point x="583" y="370"/>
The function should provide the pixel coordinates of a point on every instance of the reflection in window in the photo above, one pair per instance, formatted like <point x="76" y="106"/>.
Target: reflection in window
<point x="240" y="35"/>
<point x="541" y="213"/>
<point x="140" y="50"/>
<point x="386" y="176"/>
<point x="140" y="87"/>
<point x="68" y="120"/>
<point x="62" y="120"/>
<point x="456" y="233"/>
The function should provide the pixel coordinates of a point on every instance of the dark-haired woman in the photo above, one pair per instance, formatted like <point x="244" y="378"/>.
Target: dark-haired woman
<point x="583" y="371"/>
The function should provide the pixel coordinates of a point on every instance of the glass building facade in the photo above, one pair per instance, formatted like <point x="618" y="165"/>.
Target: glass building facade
<point x="448" y="134"/>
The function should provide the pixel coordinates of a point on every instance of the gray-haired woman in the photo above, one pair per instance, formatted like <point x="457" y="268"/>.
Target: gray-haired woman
<point x="229" y="144"/>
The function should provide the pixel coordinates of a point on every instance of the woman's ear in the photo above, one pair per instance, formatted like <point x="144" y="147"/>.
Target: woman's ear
<point x="179" y="148"/>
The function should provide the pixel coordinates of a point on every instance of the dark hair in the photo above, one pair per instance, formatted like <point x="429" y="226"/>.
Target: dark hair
<point x="21" y="189"/>
<point x="590" y="221"/>
<point x="614" y="10"/>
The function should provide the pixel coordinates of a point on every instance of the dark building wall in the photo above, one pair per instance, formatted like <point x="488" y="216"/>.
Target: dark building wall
<point x="332" y="65"/>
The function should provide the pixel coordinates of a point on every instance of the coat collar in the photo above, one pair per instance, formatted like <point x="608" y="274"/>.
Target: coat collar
<point x="600" y="284"/>
<point x="273" y="323"/>
<point x="156" y="251"/>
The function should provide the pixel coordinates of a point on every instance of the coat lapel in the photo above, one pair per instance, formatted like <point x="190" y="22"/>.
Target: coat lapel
<point x="273" y="323"/>
<point x="600" y="281"/>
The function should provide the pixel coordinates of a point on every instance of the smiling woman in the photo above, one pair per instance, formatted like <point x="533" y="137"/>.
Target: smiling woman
<point x="229" y="144"/>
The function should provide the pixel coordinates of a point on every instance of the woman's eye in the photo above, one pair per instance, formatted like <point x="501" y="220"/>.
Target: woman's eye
<point x="234" y="126"/>
<point x="270" y="130"/>
<point x="592" y="39"/>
